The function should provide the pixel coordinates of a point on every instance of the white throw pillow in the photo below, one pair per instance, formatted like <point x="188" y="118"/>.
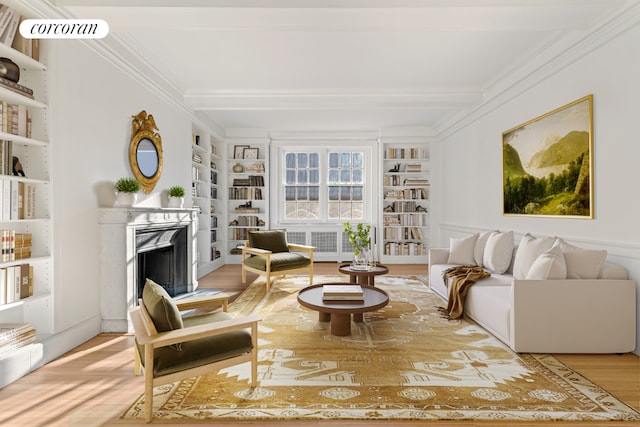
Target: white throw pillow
<point x="461" y="250"/>
<point x="498" y="252"/>
<point x="582" y="263"/>
<point x="528" y="251"/>
<point x="478" y="252"/>
<point x="549" y="265"/>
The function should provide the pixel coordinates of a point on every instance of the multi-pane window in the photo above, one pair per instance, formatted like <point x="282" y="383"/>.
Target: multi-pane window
<point x="323" y="185"/>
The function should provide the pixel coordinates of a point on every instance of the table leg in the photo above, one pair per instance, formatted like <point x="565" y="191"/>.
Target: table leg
<point x="358" y="317"/>
<point x="324" y="317"/>
<point x="353" y="278"/>
<point x="341" y="324"/>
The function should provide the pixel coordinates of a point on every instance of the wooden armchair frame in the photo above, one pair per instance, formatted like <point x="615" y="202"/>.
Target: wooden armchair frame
<point x="247" y="250"/>
<point x="147" y="335"/>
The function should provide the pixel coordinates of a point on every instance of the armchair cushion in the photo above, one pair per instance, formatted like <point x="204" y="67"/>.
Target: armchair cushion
<point x="161" y="307"/>
<point x="203" y="351"/>
<point x="271" y="240"/>
<point x="279" y="261"/>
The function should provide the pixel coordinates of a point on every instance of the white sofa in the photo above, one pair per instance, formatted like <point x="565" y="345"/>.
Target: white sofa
<point x="551" y="315"/>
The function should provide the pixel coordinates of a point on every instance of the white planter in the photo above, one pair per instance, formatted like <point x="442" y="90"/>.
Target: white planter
<point x="176" y="202"/>
<point x="125" y="200"/>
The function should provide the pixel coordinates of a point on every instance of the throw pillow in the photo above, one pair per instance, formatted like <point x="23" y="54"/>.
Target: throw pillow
<point x="161" y="307"/>
<point x="549" y="265"/>
<point x="270" y="240"/>
<point x="528" y="251"/>
<point x="582" y="263"/>
<point x="461" y="250"/>
<point x="498" y="252"/>
<point x="478" y="251"/>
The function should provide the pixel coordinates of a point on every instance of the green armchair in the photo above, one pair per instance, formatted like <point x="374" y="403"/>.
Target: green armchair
<point x="267" y="253"/>
<point x="170" y="347"/>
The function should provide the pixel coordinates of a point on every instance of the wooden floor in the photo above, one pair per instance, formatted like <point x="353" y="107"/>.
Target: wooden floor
<point x="94" y="383"/>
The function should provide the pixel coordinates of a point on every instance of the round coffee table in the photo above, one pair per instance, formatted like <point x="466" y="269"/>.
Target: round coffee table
<point x="363" y="277"/>
<point x="339" y="314"/>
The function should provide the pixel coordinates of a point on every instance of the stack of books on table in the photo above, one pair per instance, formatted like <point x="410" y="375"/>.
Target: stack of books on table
<point x="14" y="336"/>
<point x="347" y="294"/>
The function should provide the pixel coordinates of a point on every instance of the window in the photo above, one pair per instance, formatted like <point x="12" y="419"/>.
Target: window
<point x="321" y="185"/>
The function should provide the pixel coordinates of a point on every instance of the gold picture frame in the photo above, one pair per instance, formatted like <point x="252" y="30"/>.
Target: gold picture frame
<point x="547" y="164"/>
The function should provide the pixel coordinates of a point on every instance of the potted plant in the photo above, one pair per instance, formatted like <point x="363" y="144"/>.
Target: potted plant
<point x="360" y="240"/>
<point x="126" y="191"/>
<point x="176" y="196"/>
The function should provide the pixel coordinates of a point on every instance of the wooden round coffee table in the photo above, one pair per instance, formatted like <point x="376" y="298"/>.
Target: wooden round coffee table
<point x="363" y="277"/>
<point x="339" y="314"/>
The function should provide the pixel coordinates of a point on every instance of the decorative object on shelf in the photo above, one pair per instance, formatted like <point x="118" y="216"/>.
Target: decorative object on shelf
<point x="361" y="241"/>
<point x="126" y="192"/>
<point x="17" y="167"/>
<point x="9" y="70"/>
<point x="395" y="168"/>
<point x="238" y="168"/>
<point x="145" y="151"/>
<point x="250" y="153"/>
<point x="238" y="151"/>
<point x="176" y="196"/>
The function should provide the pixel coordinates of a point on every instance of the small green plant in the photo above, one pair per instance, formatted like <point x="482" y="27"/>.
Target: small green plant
<point x="127" y="185"/>
<point x="176" y="191"/>
<point x="359" y="237"/>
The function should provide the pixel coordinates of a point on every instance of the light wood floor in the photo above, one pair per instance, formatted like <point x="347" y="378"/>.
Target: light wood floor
<point x="94" y="383"/>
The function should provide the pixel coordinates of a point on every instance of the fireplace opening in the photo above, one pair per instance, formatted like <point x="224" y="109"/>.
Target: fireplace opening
<point x="162" y="256"/>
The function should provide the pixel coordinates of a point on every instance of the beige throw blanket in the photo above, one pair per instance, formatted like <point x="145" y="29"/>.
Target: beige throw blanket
<point x="463" y="277"/>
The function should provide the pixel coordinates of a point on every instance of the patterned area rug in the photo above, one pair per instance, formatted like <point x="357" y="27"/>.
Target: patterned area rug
<point x="405" y="362"/>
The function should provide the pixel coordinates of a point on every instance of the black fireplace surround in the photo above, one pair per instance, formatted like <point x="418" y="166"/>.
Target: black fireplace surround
<point x="162" y="256"/>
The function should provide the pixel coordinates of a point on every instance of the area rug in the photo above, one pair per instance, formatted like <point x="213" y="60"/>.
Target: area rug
<point x="404" y="362"/>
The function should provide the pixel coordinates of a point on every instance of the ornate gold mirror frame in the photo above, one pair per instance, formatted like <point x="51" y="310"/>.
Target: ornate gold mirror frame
<point x="145" y="151"/>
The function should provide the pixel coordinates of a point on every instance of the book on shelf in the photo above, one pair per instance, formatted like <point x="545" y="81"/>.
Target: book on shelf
<point x="9" y="331"/>
<point x="16" y="119"/>
<point x="15" y="335"/>
<point x="9" y="32"/>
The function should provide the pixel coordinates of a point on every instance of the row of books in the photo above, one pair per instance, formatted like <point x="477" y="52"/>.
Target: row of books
<point x="405" y="153"/>
<point x="250" y="181"/>
<point x="15" y="335"/>
<point x="16" y="283"/>
<point x="17" y="200"/>
<point x="348" y="294"/>
<point x="16" y="119"/>
<point x="409" y="206"/>
<point x="241" y="233"/>
<point x="14" y="245"/>
<point x="406" y="248"/>
<point x="10" y="21"/>
<point x="406" y="194"/>
<point x="405" y="219"/>
<point x="245" y="193"/>
<point x="402" y="233"/>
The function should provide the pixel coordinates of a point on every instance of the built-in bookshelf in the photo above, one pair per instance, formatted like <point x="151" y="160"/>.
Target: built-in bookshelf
<point x="405" y="203"/>
<point x="247" y="194"/>
<point x="25" y="212"/>
<point x="206" y="196"/>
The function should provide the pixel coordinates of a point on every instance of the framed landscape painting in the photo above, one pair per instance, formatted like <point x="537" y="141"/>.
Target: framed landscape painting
<point x="547" y="163"/>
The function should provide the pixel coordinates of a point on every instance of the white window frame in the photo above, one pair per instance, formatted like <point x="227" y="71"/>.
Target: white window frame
<point x="323" y="147"/>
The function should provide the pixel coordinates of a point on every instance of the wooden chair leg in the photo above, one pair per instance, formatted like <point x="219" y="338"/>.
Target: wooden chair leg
<point x="137" y="363"/>
<point x="310" y="274"/>
<point x="148" y="384"/>
<point x="244" y="274"/>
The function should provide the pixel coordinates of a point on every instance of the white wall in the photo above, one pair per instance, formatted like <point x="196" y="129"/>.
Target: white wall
<point x="92" y="102"/>
<point x="468" y="191"/>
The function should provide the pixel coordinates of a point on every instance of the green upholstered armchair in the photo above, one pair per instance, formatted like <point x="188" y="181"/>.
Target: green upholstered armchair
<point x="268" y="253"/>
<point x="170" y="347"/>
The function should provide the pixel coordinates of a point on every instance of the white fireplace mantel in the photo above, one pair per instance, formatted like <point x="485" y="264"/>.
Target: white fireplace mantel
<point x="118" y="226"/>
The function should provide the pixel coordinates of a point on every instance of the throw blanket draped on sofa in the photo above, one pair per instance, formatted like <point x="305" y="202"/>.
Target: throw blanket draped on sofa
<point x="463" y="277"/>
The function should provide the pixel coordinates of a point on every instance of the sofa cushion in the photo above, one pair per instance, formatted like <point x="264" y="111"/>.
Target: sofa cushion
<point x="279" y="261"/>
<point x="161" y="307"/>
<point x="498" y="252"/>
<point x="270" y="240"/>
<point x="549" y="265"/>
<point x="613" y="272"/>
<point x="481" y="242"/>
<point x="461" y="250"/>
<point x="529" y="249"/>
<point x="582" y="263"/>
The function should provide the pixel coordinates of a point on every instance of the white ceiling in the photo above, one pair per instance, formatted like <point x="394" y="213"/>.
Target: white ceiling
<point x="336" y="65"/>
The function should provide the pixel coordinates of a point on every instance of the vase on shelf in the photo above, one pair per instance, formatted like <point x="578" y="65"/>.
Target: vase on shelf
<point x="176" y="202"/>
<point x="238" y="168"/>
<point x="125" y="200"/>
<point x="361" y="259"/>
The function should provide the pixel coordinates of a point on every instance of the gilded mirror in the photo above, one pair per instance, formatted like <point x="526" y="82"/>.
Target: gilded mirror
<point x="145" y="151"/>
